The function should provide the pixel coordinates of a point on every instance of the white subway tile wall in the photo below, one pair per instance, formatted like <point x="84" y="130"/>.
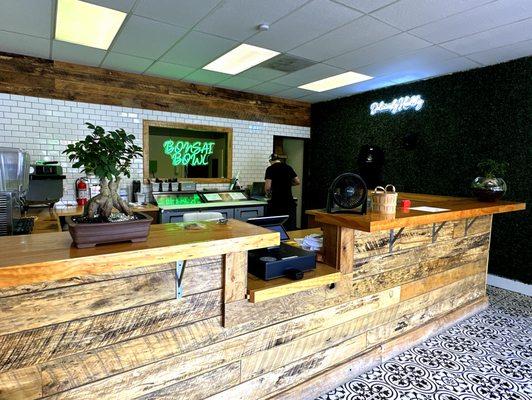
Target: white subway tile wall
<point x="44" y="127"/>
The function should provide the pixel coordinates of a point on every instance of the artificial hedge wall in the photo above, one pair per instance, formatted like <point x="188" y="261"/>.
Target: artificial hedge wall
<point x="467" y="117"/>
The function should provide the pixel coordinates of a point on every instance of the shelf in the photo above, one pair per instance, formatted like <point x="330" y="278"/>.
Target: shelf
<point x="260" y="290"/>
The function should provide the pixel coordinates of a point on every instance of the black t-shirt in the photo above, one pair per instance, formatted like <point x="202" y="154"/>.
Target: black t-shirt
<point x="282" y="176"/>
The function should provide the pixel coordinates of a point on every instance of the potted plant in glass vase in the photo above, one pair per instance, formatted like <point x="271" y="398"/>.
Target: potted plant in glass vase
<point x="490" y="186"/>
<point x="107" y="218"/>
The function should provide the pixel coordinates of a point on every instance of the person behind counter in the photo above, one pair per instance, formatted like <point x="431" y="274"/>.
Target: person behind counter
<point x="279" y="179"/>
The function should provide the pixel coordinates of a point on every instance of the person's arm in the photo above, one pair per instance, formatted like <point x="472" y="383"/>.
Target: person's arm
<point x="295" y="178"/>
<point x="267" y="186"/>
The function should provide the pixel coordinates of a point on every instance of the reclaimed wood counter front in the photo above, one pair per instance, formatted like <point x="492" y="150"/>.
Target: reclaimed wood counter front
<point x="108" y="323"/>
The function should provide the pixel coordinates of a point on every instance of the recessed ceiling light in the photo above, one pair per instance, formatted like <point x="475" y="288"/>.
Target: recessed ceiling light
<point x="240" y="58"/>
<point x="336" y="81"/>
<point x="87" y="24"/>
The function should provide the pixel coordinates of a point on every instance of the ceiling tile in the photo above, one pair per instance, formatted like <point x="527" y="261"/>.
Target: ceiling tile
<point x="122" y="5"/>
<point x="197" y="49"/>
<point x="365" y="5"/>
<point x="308" y="22"/>
<point x="261" y="74"/>
<point x="238" y="83"/>
<point x="206" y="77"/>
<point x="143" y="37"/>
<point x="476" y="20"/>
<point x="310" y="74"/>
<point x="502" y="54"/>
<point x="417" y="59"/>
<point x="356" y="34"/>
<point x="185" y="13"/>
<point x="293" y="93"/>
<point x="316" y="98"/>
<point x="268" y="88"/>
<point x="380" y="51"/>
<point x="428" y="70"/>
<point x="28" y="17"/>
<point x="124" y="62"/>
<point x="408" y="14"/>
<point x="23" y="44"/>
<point x="366" y="87"/>
<point x="76" y="53"/>
<point x="501" y="36"/>
<point x="239" y="19"/>
<point x="167" y="70"/>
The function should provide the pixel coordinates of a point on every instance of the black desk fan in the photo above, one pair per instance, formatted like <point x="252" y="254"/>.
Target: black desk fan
<point x="347" y="194"/>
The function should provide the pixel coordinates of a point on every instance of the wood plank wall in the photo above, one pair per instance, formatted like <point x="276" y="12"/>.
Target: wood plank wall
<point x="126" y="336"/>
<point x="38" y="77"/>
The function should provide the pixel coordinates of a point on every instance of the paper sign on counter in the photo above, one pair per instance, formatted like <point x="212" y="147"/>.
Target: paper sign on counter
<point x="238" y="196"/>
<point x="429" y="209"/>
<point x="212" y="196"/>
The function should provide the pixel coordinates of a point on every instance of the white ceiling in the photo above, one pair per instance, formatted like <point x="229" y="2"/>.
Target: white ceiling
<point x="395" y="41"/>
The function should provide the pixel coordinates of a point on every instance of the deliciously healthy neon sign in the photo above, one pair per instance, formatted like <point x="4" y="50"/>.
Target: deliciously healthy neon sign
<point x="397" y="105"/>
<point x="188" y="153"/>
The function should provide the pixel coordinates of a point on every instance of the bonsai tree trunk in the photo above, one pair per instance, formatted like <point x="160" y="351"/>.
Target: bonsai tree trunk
<point x="118" y="202"/>
<point x="101" y="204"/>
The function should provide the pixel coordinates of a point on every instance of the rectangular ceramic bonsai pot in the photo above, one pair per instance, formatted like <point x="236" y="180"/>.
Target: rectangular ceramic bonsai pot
<point x="89" y="235"/>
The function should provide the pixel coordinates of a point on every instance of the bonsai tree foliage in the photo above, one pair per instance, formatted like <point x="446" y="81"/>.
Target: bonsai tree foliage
<point x="492" y="169"/>
<point x="108" y="155"/>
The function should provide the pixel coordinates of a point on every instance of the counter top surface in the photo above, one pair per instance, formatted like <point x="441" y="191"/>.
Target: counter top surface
<point x="28" y="258"/>
<point x="457" y="208"/>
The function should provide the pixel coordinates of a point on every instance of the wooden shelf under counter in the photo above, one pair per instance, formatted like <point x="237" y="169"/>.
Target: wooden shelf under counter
<point x="260" y="290"/>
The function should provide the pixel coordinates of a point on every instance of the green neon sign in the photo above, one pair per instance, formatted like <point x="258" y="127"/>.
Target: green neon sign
<point x="188" y="153"/>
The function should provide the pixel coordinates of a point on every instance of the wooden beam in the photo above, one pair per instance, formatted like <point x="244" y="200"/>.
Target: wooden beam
<point x="65" y="304"/>
<point x="260" y="290"/>
<point x="21" y="384"/>
<point x="83" y="335"/>
<point x="199" y="387"/>
<point x="30" y="76"/>
<point x="332" y="377"/>
<point x="235" y="276"/>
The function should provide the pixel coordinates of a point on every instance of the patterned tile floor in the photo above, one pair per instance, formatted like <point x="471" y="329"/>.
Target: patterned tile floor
<point x="488" y="357"/>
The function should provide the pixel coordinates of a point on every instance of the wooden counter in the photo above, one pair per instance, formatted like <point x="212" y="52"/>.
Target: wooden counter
<point x="51" y="256"/>
<point x="109" y="323"/>
<point x="458" y="208"/>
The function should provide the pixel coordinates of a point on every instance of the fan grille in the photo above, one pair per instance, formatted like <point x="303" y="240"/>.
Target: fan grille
<point x="348" y="191"/>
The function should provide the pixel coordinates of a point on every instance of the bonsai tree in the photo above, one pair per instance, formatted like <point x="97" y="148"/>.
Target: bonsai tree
<point x="108" y="156"/>
<point x="492" y="169"/>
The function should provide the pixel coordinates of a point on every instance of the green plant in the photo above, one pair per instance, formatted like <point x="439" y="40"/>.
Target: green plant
<point x="492" y="169"/>
<point x="108" y="155"/>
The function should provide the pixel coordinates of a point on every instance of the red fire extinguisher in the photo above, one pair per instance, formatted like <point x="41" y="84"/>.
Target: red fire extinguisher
<point x="82" y="191"/>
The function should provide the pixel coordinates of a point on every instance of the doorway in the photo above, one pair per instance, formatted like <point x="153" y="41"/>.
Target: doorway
<point x="292" y="150"/>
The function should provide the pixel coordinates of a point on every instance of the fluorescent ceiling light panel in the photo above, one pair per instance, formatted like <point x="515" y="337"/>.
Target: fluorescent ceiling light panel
<point x="87" y="24"/>
<point x="336" y="81"/>
<point x="240" y="58"/>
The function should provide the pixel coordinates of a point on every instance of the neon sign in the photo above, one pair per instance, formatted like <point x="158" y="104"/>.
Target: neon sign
<point x="397" y="105"/>
<point x="188" y="153"/>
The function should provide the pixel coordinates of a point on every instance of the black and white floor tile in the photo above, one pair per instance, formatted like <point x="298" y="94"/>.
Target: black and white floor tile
<point x="486" y="357"/>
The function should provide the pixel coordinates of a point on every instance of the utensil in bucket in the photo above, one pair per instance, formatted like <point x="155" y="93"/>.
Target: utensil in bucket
<point x="384" y="199"/>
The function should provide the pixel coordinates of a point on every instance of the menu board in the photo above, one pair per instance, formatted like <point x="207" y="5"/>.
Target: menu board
<point x="212" y="197"/>
<point x="237" y="196"/>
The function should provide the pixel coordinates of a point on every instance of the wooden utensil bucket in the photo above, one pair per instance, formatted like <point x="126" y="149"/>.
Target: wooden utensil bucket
<point x="384" y="199"/>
